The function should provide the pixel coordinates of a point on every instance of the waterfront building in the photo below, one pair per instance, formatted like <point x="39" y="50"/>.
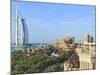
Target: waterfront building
<point x="21" y="32"/>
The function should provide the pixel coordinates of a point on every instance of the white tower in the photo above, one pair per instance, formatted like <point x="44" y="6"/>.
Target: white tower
<point x="21" y="32"/>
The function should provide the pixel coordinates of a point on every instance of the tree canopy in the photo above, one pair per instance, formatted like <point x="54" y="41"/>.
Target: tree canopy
<point x="37" y="62"/>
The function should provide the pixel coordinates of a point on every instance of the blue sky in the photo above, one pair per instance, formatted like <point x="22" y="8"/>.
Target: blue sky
<point x="48" y="22"/>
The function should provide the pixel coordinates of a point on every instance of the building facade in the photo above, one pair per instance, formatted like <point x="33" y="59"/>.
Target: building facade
<point x="88" y="39"/>
<point x="21" y="32"/>
<point x="65" y="44"/>
<point x="85" y="56"/>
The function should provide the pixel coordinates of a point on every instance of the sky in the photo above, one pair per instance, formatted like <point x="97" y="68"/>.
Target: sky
<point x="48" y="22"/>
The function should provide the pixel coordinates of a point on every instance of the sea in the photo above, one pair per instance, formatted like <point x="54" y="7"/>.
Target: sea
<point x="13" y="46"/>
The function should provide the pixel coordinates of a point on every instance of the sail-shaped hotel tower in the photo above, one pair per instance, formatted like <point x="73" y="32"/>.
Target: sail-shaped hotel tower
<point x="21" y="32"/>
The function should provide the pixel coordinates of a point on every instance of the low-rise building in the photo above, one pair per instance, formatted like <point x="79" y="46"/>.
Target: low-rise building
<point x="65" y="44"/>
<point x="86" y="53"/>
